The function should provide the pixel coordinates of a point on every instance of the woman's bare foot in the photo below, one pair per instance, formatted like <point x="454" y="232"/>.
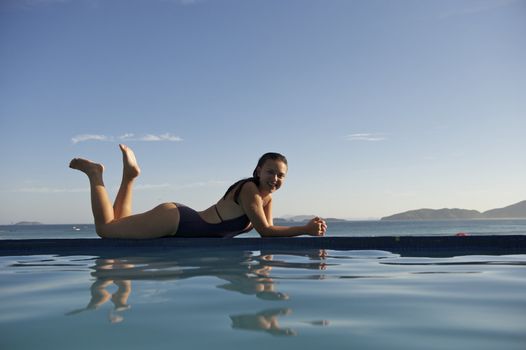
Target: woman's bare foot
<point x="86" y="166"/>
<point x="130" y="167"/>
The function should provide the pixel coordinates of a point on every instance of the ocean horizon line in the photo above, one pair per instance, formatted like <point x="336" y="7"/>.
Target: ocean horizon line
<point x="288" y="220"/>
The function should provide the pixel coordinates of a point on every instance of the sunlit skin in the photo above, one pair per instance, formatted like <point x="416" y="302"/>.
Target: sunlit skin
<point x="257" y="204"/>
<point x="116" y="220"/>
<point x="272" y="176"/>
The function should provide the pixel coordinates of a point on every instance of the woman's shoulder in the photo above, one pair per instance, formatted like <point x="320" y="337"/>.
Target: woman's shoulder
<point x="249" y="185"/>
<point x="239" y="187"/>
<point x="250" y="191"/>
<point x="246" y="188"/>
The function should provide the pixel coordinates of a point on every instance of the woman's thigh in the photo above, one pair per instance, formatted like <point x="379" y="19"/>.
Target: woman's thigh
<point x="161" y="221"/>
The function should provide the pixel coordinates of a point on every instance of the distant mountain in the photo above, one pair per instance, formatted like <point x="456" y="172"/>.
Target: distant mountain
<point x="515" y="211"/>
<point x="297" y="218"/>
<point x="28" y="223"/>
<point x="435" y="214"/>
<point x="302" y="219"/>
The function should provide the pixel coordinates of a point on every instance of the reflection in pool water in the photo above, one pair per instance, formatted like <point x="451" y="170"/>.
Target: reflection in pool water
<point x="256" y="299"/>
<point x="244" y="273"/>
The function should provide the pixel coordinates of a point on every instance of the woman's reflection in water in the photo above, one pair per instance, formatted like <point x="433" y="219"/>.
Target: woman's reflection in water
<point x="100" y="295"/>
<point x="245" y="273"/>
<point x="255" y="280"/>
<point x="266" y="321"/>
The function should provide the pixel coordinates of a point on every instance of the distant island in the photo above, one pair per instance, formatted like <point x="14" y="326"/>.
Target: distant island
<point x="28" y="223"/>
<point x="288" y="220"/>
<point x="514" y="211"/>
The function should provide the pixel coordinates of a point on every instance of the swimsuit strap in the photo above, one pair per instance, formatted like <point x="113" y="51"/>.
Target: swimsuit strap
<point x="217" y="211"/>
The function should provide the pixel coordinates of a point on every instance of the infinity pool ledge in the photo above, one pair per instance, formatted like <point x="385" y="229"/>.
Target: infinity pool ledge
<point x="414" y="245"/>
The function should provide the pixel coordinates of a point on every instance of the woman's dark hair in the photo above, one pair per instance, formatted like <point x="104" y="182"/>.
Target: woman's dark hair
<point x="255" y="178"/>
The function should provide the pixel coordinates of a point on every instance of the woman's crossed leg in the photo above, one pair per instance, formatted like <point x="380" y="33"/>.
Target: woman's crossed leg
<point x="117" y="221"/>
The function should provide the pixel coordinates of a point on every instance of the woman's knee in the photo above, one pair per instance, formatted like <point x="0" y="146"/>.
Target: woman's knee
<point x="103" y="231"/>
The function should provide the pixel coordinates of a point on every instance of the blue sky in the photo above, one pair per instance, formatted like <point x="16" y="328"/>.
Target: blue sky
<point x="380" y="106"/>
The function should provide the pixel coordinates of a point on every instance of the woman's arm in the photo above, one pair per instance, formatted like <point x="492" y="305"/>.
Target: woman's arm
<point x="268" y="212"/>
<point x="261" y="217"/>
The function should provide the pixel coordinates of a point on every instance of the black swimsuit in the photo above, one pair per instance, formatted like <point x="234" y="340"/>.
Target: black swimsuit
<point x="192" y="225"/>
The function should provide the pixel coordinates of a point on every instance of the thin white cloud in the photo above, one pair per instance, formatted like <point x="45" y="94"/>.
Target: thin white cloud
<point x="151" y="187"/>
<point x="90" y="137"/>
<point x="210" y="183"/>
<point x="127" y="137"/>
<point x="370" y="137"/>
<point x="152" y="138"/>
<point x="144" y="187"/>
<point x="178" y="187"/>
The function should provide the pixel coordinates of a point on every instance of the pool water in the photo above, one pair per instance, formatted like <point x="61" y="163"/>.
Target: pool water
<point x="215" y="299"/>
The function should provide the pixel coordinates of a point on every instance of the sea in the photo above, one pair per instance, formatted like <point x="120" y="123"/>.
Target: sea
<point x="335" y="228"/>
<point x="218" y="298"/>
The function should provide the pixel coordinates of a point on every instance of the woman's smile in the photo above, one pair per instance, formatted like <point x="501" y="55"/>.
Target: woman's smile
<point x="272" y="174"/>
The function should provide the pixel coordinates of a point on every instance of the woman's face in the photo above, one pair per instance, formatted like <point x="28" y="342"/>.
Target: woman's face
<point x="272" y="175"/>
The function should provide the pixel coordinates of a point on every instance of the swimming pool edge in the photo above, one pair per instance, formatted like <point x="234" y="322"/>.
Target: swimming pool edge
<point x="407" y="245"/>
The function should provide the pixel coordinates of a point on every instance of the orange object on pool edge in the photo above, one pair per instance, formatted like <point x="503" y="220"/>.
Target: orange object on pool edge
<point x="461" y="234"/>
